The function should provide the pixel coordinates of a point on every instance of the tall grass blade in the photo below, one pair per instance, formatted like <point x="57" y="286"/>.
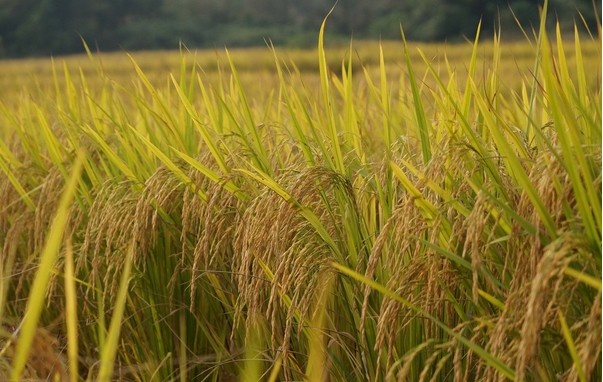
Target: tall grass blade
<point x="423" y="127"/>
<point x="317" y="349"/>
<point x="328" y="100"/>
<point x="109" y="350"/>
<point x="567" y="334"/>
<point x="213" y="176"/>
<point x="71" y="313"/>
<point x="50" y="252"/>
<point x="584" y="278"/>
<point x="253" y="365"/>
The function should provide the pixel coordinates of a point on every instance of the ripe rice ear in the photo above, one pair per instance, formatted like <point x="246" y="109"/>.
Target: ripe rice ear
<point x="589" y="343"/>
<point x="208" y="226"/>
<point x="110" y="228"/>
<point x="44" y="363"/>
<point x="541" y="300"/>
<point x="279" y="234"/>
<point x="160" y="198"/>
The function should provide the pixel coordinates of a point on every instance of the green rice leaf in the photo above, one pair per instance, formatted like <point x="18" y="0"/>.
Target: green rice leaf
<point x="109" y="351"/>
<point x="50" y="252"/>
<point x="567" y="334"/>
<point x="422" y="125"/>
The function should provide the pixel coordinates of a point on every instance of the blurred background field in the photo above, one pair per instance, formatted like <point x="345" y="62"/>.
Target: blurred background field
<point x="257" y="69"/>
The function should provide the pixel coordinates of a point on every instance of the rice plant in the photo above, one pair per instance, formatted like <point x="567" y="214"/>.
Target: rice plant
<point x="388" y="219"/>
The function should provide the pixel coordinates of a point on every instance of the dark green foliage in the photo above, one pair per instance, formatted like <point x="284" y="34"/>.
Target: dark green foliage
<point x="42" y="27"/>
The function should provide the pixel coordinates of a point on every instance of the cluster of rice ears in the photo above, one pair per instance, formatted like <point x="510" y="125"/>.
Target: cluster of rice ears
<point x="368" y="228"/>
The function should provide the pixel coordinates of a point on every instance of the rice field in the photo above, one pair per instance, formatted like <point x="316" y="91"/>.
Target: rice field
<point x="374" y="212"/>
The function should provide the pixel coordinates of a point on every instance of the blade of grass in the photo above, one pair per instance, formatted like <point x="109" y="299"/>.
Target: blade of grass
<point x="583" y="277"/>
<point x="350" y="118"/>
<point x="35" y="301"/>
<point x="213" y="176"/>
<point x="430" y="211"/>
<point x="253" y="365"/>
<point x="109" y="351"/>
<point x="466" y="104"/>
<point x="71" y="313"/>
<point x="444" y="194"/>
<point x="317" y="351"/>
<point x="422" y="126"/>
<point x="276" y="368"/>
<point x="111" y="154"/>
<point x="571" y="345"/>
<point x="182" y="354"/>
<point x="327" y="98"/>
<point x="535" y="71"/>
<point x="491" y="299"/>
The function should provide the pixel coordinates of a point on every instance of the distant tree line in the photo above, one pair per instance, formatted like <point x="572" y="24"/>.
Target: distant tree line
<point x="43" y="27"/>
